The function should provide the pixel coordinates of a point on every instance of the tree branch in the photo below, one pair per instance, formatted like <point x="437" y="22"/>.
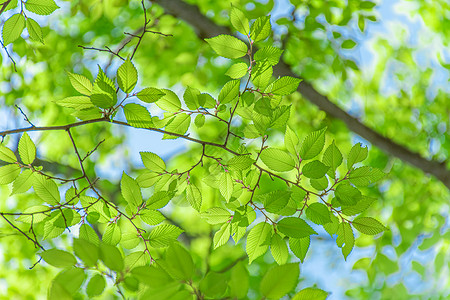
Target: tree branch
<point x="206" y="28"/>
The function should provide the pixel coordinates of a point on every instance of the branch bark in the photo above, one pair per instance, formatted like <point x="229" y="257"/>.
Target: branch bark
<point x="206" y="28"/>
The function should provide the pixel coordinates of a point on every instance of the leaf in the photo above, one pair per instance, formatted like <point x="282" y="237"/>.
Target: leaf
<point x="318" y="213"/>
<point x="27" y="149"/>
<point x="159" y="200"/>
<point x="214" y="285"/>
<point x="102" y="100"/>
<point x="260" y="29"/>
<point x="136" y="259"/>
<point x="228" y="46"/>
<point x="359" y="207"/>
<point x="216" y="215"/>
<point x="41" y="7"/>
<point x="239" y="21"/>
<point x="9" y="173"/>
<point x="111" y="257"/>
<point x="319" y="184"/>
<point x="365" y="176"/>
<point x="345" y="238"/>
<point x="194" y="196"/>
<point x="348" y="44"/>
<point x="256" y="240"/>
<point x="295" y="227"/>
<point x="229" y="92"/>
<point x="314" y="169"/>
<point x="150" y="95"/>
<point x="169" y="102"/>
<point x="276" y="200"/>
<point x="222" y="236"/>
<point x="23" y="182"/>
<point x="130" y="190"/>
<point x="279" y="249"/>
<point x="332" y="158"/>
<point x="179" y="262"/>
<point x="280" y="280"/>
<point x="163" y="235"/>
<point x="179" y="124"/>
<point x="34" y="30"/>
<point x="356" y="155"/>
<point x="80" y="83"/>
<point x="291" y="141"/>
<point x="368" y="225"/>
<point x="112" y="234"/>
<point x="262" y="72"/>
<point x="76" y="102"/>
<point x="47" y="190"/>
<point x="7" y="155"/>
<point x="87" y="233"/>
<point x="152" y="161"/>
<point x="269" y="54"/>
<point x="277" y="160"/>
<point x="239" y="281"/>
<point x="240" y="163"/>
<point x="199" y="120"/>
<point x="127" y="76"/>
<point x="12" y="28"/>
<point x="332" y="227"/>
<point x="300" y="247"/>
<point x="347" y="194"/>
<point x="311" y="294"/>
<point x="190" y="97"/>
<point x="313" y="144"/>
<point x="86" y="251"/>
<point x="58" y="258"/>
<point x="237" y="70"/>
<point x="367" y="5"/>
<point x="285" y="85"/>
<point x="71" y="279"/>
<point x="96" y="285"/>
<point x="226" y="185"/>
<point x="151" y="217"/>
<point x="137" y="116"/>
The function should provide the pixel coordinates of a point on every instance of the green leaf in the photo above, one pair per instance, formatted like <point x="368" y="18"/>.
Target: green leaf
<point x="280" y="280"/>
<point x="216" y="215"/>
<point x="169" y="102"/>
<point x="311" y="294"/>
<point x="285" y="85"/>
<point x="153" y="276"/>
<point x="356" y="155"/>
<point x="199" y="120"/>
<point x="190" y="97"/>
<point x="179" y="124"/>
<point x="276" y="201"/>
<point x="348" y="44"/>
<point x="76" y="102"/>
<point x="365" y="176"/>
<point x="260" y="29"/>
<point x="127" y="76"/>
<point x="151" y="217"/>
<point x="27" y="149"/>
<point x="34" y="30"/>
<point x="222" y="236"/>
<point x="96" y="285"/>
<point x="313" y="144"/>
<point x="291" y="141"/>
<point x="262" y="72"/>
<point x="358" y="208"/>
<point x="12" y="28"/>
<point x="332" y="158"/>
<point x="150" y="95"/>
<point x="228" y="46"/>
<point x="229" y="92"/>
<point x="47" y="190"/>
<point x="159" y="200"/>
<point x="239" y="21"/>
<point x="300" y="247"/>
<point x="256" y="240"/>
<point x="226" y="185"/>
<point x="71" y="279"/>
<point x="7" y="155"/>
<point x="41" y="7"/>
<point x="240" y="163"/>
<point x="179" y="262"/>
<point x="163" y="235"/>
<point x="279" y="249"/>
<point x="112" y="234"/>
<point x="347" y="194"/>
<point x="318" y="213"/>
<point x="319" y="184"/>
<point x="58" y="258"/>
<point x="345" y="238"/>
<point x="332" y="227"/>
<point x="102" y="100"/>
<point x="368" y="225"/>
<point x="86" y="251"/>
<point x="153" y="162"/>
<point x="136" y="259"/>
<point x="194" y="196"/>
<point x="9" y="173"/>
<point x="270" y="54"/>
<point x="367" y="5"/>
<point x="295" y="227"/>
<point x="80" y="83"/>
<point x="237" y="70"/>
<point x="23" y="182"/>
<point x="315" y="169"/>
<point x="87" y="233"/>
<point x="130" y="190"/>
<point x="214" y="285"/>
<point x="239" y="281"/>
<point x="277" y="160"/>
<point x="137" y="116"/>
<point x="111" y="257"/>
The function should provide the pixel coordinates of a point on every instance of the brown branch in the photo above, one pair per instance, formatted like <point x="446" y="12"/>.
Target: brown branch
<point x="206" y="28"/>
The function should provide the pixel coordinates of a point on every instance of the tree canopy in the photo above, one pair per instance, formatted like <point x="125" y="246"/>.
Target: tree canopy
<point x="173" y="149"/>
